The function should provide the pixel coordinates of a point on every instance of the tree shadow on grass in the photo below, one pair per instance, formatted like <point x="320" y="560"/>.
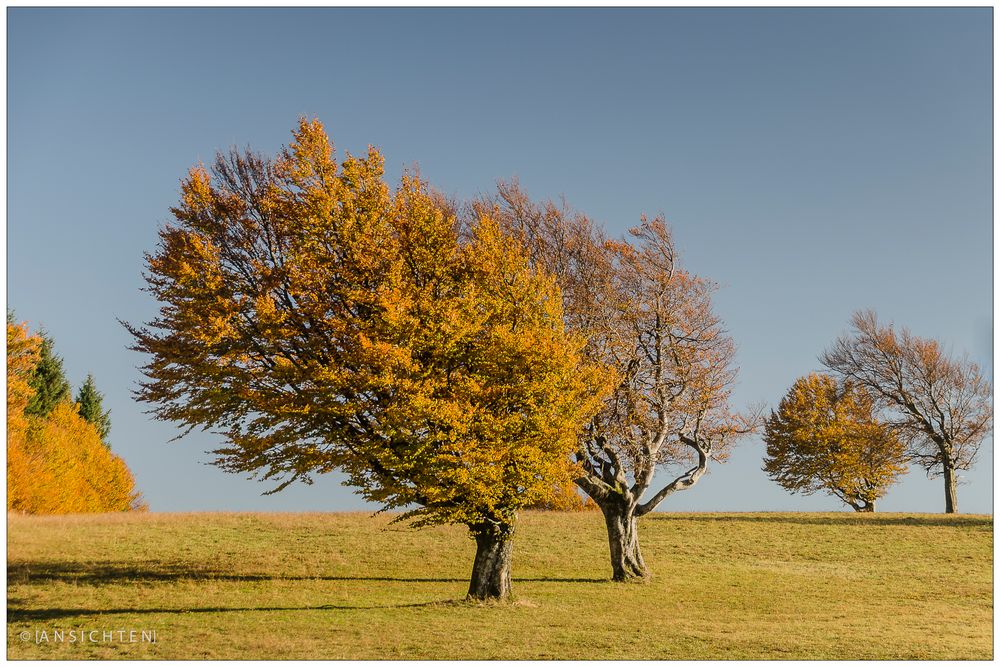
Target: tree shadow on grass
<point x="840" y="519"/>
<point x="26" y="572"/>
<point x="15" y="614"/>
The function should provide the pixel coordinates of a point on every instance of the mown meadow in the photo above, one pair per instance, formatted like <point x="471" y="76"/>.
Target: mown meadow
<point x="353" y="586"/>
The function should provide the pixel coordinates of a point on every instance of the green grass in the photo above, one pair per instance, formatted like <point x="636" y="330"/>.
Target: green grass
<point x="308" y="586"/>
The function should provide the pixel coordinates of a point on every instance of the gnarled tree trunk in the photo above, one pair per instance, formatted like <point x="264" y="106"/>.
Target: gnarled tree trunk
<point x="623" y="539"/>
<point x="491" y="569"/>
<point x="859" y="504"/>
<point x="620" y="503"/>
<point x="864" y="506"/>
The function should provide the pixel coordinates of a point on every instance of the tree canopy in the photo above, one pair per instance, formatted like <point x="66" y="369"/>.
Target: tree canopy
<point x="319" y="321"/>
<point x="22" y="358"/>
<point x="940" y="406"/>
<point x="826" y="437"/>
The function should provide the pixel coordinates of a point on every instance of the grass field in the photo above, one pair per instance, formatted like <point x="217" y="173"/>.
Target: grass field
<point x="740" y="586"/>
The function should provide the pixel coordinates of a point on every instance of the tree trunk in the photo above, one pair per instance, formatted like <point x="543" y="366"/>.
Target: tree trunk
<point x="950" y="492"/>
<point x="623" y="538"/>
<point x="862" y="505"/>
<point x="491" y="569"/>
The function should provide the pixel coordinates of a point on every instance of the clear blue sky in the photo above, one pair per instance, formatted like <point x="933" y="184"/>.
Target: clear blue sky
<point x="812" y="162"/>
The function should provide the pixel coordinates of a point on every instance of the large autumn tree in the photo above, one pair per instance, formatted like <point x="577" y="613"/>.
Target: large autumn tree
<point x="319" y="321"/>
<point x="653" y="322"/>
<point x="941" y="406"/>
<point x="825" y="436"/>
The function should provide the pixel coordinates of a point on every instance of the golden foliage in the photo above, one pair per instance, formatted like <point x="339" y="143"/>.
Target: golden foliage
<point x="57" y="464"/>
<point x="22" y="355"/>
<point x="319" y="320"/>
<point x="825" y="437"/>
<point x="565" y="497"/>
<point x="71" y="469"/>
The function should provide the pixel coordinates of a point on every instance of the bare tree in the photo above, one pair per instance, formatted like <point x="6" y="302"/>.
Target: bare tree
<point x="941" y="407"/>
<point x="653" y="323"/>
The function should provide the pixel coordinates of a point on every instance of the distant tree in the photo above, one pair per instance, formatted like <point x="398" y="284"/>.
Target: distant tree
<point x="318" y="321"/>
<point x="91" y="408"/>
<point x="48" y="380"/>
<point x="940" y="407"/>
<point x="826" y="437"/>
<point x="653" y="323"/>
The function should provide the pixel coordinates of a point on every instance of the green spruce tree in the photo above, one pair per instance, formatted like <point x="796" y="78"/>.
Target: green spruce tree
<point x="48" y="381"/>
<point x="91" y="409"/>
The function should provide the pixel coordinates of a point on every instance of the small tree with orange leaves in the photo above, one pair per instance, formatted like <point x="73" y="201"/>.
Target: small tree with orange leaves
<point x="826" y="437"/>
<point x="318" y="321"/>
